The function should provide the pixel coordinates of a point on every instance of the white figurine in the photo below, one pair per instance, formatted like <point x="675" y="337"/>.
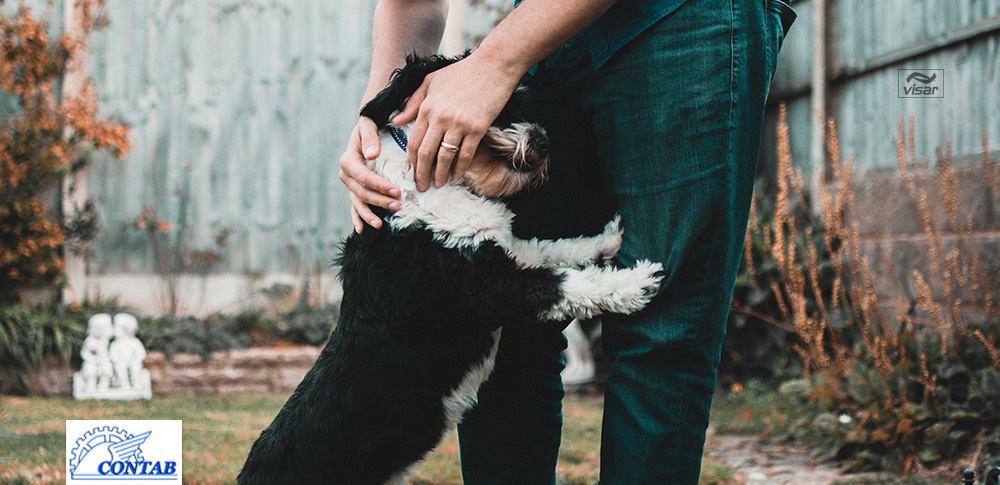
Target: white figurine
<point x="96" y="371"/>
<point x="580" y="366"/>
<point x="127" y="353"/>
<point x="120" y="359"/>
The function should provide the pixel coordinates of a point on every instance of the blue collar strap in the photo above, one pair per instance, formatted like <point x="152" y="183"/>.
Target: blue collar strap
<point x="398" y="136"/>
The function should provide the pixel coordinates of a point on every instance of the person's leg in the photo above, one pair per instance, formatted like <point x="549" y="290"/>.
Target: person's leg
<point x="679" y="112"/>
<point x="512" y="436"/>
<point x="513" y="433"/>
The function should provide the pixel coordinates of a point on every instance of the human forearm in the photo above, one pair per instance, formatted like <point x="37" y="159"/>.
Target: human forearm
<point x="456" y="105"/>
<point x="535" y="29"/>
<point x="402" y="27"/>
<point x="468" y="96"/>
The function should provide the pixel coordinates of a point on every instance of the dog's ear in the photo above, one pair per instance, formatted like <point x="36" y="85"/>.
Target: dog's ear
<point x="403" y="83"/>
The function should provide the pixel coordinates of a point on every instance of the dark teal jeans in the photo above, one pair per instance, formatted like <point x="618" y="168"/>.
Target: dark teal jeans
<point x="666" y="133"/>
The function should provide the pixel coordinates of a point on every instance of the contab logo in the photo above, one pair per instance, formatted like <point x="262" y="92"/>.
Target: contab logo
<point x="921" y="83"/>
<point x="122" y="451"/>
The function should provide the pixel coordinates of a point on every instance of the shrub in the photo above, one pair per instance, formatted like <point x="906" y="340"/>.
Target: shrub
<point x="30" y="336"/>
<point x="758" y="344"/>
<point x="303" y="325"/>
<point x="913" y="389"/>
<point x="46" y="137"/>
<point x="254" y="323"/>
<point x="190" y="335"/>
<point x="308" y="325"/>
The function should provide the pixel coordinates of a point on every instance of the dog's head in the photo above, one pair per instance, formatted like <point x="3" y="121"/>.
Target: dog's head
<point x="512" y="155"/>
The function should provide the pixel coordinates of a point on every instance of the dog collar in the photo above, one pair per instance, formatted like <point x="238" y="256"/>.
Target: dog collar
<point x="398" y="136"/>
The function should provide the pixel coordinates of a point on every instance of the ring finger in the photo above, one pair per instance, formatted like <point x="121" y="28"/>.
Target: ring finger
<point x="447" y="154"/>
<point x="427" y="154"/>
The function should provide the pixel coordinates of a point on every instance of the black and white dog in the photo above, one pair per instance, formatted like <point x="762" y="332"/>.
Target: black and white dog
<point x="424" y="301"/>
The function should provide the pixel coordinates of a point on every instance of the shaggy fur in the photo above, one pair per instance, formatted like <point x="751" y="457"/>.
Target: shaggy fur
<point x="425" y="299"/>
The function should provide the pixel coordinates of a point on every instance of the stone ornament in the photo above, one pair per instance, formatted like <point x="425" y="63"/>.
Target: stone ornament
<point x="580" y="366"/>
<point x="112" y="369"/>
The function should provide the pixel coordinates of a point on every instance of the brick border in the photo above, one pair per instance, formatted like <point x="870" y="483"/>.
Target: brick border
<point x="250" y="370"/>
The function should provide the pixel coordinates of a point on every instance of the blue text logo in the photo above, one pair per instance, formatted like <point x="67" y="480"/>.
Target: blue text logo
<point x="111" y="453"/>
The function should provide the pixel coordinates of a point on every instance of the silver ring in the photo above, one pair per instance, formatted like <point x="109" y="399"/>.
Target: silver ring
<point x="449" y="146"/>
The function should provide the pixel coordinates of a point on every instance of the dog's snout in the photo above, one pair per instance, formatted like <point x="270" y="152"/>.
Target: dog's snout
<point x="541" y="144"/>
<point x="535" y="153"/>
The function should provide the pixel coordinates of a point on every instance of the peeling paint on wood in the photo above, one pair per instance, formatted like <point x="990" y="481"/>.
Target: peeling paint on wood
<point x="239" y="110"/>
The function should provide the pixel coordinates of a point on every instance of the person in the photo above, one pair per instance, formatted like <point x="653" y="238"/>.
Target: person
<point x="654" y="110"/>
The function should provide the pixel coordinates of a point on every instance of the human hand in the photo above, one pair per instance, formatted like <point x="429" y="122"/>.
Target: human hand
<point x="453" y="107"/>
<point x="363" y="184"/>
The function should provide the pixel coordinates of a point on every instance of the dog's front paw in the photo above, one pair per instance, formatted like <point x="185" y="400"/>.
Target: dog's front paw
<point x="636" y="287"/>
<point x="593" y="290"/>
<point x="610" y="240"/>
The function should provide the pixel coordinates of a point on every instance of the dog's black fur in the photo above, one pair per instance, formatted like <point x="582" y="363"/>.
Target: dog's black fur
<point x="405" y="82"/>
<point x="372" y="403"/>
<point x="416" y="318"/>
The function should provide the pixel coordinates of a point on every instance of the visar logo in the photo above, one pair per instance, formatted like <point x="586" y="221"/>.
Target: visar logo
<point x="921" y="83"/>
<point x="107" y="452"/>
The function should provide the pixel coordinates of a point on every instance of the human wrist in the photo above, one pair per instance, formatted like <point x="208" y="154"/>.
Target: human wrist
<point x="510" y="68"/>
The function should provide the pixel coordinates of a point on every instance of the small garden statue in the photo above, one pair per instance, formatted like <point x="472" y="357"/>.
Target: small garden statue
<point x="127" y="354"/>
<point x="95" y="374"/>
<point x="112" y="370"/>
<point x="580" y="366"/>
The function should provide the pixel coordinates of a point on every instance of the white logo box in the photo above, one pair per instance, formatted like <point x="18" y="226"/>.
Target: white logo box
<point x="123" y="451"/>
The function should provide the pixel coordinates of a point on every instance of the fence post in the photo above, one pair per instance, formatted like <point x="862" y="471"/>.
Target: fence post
<point x="969" y="477"/>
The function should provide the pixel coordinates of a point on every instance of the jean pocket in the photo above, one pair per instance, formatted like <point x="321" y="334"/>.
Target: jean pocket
<point x="779" y="17"/>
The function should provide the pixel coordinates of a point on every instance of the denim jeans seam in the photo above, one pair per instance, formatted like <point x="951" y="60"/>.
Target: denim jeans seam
<point x="732" y="81"/>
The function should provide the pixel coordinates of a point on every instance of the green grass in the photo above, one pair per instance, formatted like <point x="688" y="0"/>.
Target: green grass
<point x="218" y="432"/>
<point x="753" y="412"/>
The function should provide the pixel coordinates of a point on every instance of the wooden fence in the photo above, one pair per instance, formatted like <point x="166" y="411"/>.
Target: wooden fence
<point x="240" y="109"/>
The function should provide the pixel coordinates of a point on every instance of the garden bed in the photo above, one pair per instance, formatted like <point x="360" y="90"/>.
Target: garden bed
<point x="276" y="369"/>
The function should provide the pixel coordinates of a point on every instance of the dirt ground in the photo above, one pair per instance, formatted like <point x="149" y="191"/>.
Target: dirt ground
<point x="759" y="463"/>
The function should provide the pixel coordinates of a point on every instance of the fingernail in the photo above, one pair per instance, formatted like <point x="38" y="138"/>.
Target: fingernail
<point x="373" y="222"/>
<point x="357" y="229"/>
<point x="395" y="206"/>
<point x="438" y="184"/>
<point x="394" y="192"/>
<point x="370" y="152"/>
<point x="421" y="187"/>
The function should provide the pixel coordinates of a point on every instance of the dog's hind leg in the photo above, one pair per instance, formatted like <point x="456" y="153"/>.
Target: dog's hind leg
<point x="570" y="252"/>
<point x="592" y="290"/>
<point x="511" y="292"/>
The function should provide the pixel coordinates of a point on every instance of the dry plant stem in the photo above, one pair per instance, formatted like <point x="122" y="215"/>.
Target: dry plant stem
<point x="934" y="295"/>
<point x="762" y="316"/>
<point x="810" y="328"/>
<point x="990" y="347"/>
